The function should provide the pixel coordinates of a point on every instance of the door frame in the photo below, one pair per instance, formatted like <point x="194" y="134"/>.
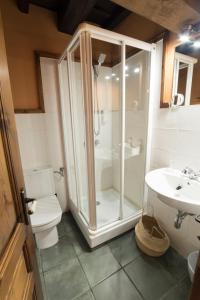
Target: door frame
<point x="13" y="160"/>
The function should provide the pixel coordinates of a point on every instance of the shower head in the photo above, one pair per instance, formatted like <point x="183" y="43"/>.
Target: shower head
<point x="102" y="58"/>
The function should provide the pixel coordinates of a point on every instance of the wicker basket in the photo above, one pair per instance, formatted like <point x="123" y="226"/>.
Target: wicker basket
<point x="150" y="237"/>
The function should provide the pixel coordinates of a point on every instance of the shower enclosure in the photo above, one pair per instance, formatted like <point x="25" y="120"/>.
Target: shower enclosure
<point x="105" y="88"/>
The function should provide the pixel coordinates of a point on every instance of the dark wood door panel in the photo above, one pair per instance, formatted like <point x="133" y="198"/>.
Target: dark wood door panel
<point x="19" y="275"/>
<point x="16" y="278"/>
<point x="7" y="208"/>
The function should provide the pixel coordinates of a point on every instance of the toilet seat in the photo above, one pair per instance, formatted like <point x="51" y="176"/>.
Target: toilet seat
<point x="47" y="214"/>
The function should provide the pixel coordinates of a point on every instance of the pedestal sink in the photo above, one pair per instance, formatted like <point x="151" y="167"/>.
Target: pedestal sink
<point x="175" y="189"/>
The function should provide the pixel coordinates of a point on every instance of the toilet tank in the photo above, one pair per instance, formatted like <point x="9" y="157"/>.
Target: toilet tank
<point x="39" y="182"/>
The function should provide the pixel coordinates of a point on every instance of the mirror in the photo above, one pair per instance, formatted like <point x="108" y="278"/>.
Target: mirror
<point x="186" y="77"/>
<point x="180" y="72"/>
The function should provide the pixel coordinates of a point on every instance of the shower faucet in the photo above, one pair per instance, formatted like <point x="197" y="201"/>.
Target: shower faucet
<point x="96" y="142"/>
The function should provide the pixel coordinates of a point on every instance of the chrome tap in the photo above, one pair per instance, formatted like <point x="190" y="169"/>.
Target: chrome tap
<point x="190" y="173"/>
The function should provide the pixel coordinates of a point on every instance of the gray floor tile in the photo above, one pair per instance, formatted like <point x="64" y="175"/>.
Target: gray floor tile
<point x="78" y="241"/>
<point x="43" y="286"/>
<point x="54" y="255"/>
<point x="180" y="292"/>
<point x="118" y="286"/>
<point x="124" y="248"/>
<point x="86" y="296"/>
<point x="69" y="222"/>
<point x="61" y="229"/>
<point x="39" y="261"/>
<point x="150" y="277"/>
<point x="174" y="263"/>
<point x="66" y="281"/>
<point x="99" y="264"/>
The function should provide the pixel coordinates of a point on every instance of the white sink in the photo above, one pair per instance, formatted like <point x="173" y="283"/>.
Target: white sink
<point x="166" y="182"/>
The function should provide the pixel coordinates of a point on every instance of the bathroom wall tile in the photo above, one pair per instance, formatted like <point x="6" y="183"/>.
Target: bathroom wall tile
<point x="165" y="139"/>
<point x="37" y="122"/>
<point x="23" y="121"/>
<point x="40" y="153"/>
<point x="188" y="118"/>
<point x="176" y="143"/>
<point x="26" y="150"/>
<point x="160" y="158"/>
<point x="188" y="143"/>
<point x="61" y="189"/>
<point x="166" y="119"/>
<point x="182" y="239"/>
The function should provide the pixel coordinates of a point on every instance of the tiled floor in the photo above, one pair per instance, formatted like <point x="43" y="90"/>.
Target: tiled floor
<point x="115" y="270"/>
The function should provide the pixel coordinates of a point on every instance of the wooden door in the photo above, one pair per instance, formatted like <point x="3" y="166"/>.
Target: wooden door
<point x="19" y="276"/>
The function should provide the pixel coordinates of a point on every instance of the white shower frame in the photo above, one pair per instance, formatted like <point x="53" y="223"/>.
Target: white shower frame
<point x="94" y="235"/>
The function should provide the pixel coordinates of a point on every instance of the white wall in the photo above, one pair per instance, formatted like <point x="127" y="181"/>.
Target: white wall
<point x="39" y="135"/>
<point x="176" y="143"/>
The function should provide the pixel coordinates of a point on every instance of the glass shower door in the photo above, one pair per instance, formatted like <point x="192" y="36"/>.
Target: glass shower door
<point x="78" y="126"/>
<point x="137" y="67"/>
<point x="106" y="73"/>
<point x="120" y="119"/>
<point x="68" y="132"/>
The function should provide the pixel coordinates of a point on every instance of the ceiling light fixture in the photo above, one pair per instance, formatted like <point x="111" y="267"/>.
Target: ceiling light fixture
<point x="189" y="31"/>
<point x="196" y="44"/>
<point x="137" y="70"/>
<point x="113" y="74"/>
<point x="184" y="38"/>
<point x="107" y="77"/>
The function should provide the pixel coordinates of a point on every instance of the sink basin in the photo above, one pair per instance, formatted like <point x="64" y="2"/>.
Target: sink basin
<point x="174" y="189"/>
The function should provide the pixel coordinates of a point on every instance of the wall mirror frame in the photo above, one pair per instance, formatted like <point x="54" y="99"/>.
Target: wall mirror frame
<point x="173" y="62"/>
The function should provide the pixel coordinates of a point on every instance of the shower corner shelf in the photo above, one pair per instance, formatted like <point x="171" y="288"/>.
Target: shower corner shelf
<point x="131" y="151"/>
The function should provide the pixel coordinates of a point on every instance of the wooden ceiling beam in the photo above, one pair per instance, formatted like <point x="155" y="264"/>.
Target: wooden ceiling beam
<point x="23" y="5"/>
<point x="195" y="4"/>
<point x="171" y="14"/>
<point x="117" y="19"/>
<point x="72" y="13"/>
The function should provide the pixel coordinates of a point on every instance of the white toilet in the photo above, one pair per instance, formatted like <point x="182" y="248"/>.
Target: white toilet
<point x="40" y="186"/>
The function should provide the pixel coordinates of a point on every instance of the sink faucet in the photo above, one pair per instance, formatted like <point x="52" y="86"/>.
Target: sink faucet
<point x="190" y="173"/>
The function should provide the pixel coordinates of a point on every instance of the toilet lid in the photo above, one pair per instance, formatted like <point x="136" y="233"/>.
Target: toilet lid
<point x="47" y="210"/>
